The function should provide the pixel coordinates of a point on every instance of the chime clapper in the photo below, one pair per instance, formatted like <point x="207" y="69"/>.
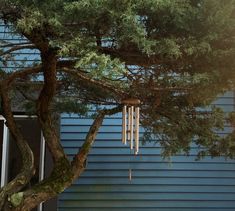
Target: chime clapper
<point x="130" y="174"/>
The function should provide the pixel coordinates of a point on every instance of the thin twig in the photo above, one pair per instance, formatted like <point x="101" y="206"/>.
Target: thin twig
<point x="14" y="44"/>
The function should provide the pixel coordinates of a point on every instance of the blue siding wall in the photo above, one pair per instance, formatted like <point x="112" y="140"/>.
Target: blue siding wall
<point x="182" y="184"/>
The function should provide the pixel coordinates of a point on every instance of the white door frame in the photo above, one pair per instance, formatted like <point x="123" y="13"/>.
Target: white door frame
<point x="5" y="147"/>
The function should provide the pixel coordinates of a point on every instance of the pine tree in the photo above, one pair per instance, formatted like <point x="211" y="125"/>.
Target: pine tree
<point x="176" y="56"/>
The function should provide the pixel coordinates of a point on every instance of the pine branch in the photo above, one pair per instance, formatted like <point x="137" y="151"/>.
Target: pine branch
<point x="23" y="73"/>
<point x="14" y="44"/>
<point x="99" y="83"/>
<point x="17" y="48"/>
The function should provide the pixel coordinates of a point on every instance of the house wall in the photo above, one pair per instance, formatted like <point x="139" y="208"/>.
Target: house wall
<point x="182" y="184"/>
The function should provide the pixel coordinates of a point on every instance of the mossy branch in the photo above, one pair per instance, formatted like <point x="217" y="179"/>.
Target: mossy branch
<point x="80" y="158"/>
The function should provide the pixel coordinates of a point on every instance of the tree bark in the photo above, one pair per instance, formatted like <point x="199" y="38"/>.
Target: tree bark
<point x="44" y="105"/>
<point x="27" y="169"/>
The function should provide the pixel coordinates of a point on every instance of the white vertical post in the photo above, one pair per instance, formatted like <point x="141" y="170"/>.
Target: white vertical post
<point x="5" y="149"/>
<point x="137" y="118"/>
<point x="42" y="164"/>
<point x="131" y="126"/>
<point x="42" y="158"/>
<point x="124" y="125"/>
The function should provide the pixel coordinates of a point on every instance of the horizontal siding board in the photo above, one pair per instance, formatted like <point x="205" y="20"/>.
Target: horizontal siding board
<point x="149" y="209"/>
<point x="160" y="188"/>
<point x="160" y="165"/>
<point x="105" y="136"/>
<point x="156" y="181"/>
<point x="147" y="203"/>
<point x="154" y="143"/>
<point x="166" y="174"/>
<point x="148" y="196"/>
<point x="87" y="122"/>
<point x="156" y="158"/>
<point x="85" y="129"/>
<point x="109" y="129"/>
<point x="121" y="151"/>
<point x="116" y="143"/>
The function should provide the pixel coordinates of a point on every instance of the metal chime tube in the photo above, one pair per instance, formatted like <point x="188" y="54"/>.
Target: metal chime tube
<point x="130" y="123"/>
<point x="131" y="126"/>
<point x="137" y="118"/>
<point x="124" y="125"/>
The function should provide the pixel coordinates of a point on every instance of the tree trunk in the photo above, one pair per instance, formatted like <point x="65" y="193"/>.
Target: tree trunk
<point x="27" y="169"/>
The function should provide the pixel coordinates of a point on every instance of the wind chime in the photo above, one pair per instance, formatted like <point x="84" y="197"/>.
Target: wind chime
<point x="130" y="123"/>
